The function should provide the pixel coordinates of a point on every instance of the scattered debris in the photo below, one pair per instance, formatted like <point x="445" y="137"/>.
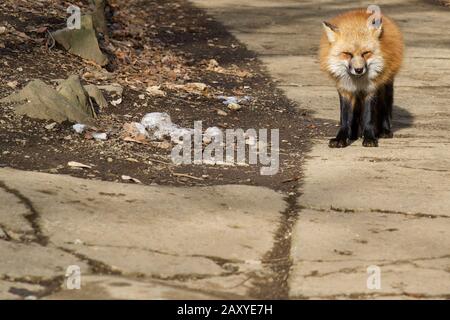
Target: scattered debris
<point x="228" y="100"/>
<point x="51" y="126"/>
<point x="128" y="178"/>
<point x="75" y="164"/>
<point x="114" y="89"/>
<point x="160" y="125"/>
<point x="99" y="136"/>
<point x="12" y="84"/>
<point x="214" y="66"/>
<point x="234" y="106"/>
<point x="134" y="132"/>
<point x="115" y="103"/>
<point x="156" y="91"/>
<point x="79" y="128"/>
<point x="198" y="88"/>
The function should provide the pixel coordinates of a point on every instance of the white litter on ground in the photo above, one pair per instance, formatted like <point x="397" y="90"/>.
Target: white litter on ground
<point x="99" y="136"/>
<point x="236" y="100"/>
<point x="160" y="126"/>
<point x="79" y="128"/>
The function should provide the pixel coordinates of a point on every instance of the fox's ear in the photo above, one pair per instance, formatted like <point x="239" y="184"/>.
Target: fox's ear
<point x="376" y="25"/>
<point x="330" y="30"/>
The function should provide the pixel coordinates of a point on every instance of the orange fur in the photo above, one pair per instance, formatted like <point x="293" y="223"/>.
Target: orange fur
<point x="354" y="32"/>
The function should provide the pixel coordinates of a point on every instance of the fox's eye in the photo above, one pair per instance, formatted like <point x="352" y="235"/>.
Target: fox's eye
<point x="348" y="54"/>
<point x="366" y="53"/>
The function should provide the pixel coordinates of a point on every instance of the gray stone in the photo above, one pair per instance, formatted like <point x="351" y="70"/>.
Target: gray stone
<point x="39" y="100"/>
<point x="82" y="42"/>
<point x="94" y="93"/>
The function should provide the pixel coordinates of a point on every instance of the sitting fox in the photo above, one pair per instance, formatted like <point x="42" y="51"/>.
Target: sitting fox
<point x="362" y="53"/>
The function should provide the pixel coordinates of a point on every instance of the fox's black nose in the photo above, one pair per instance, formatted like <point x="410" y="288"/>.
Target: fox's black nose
<point x="359" y="70"/>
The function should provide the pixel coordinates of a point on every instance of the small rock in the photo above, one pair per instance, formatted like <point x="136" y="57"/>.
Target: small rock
<point x="156" y="91"/>
<point x="50" y="126"/>
<point x="12" y="84"/>
<point x="2" y="29"/>
<point x="142" y="96"/>
<point x="109" y="159"/>
<point x="115" y="89"/>
<point x="20" y="69"/>
<point x="234" y="106"/>
<point x="99" y="136"/>
<point x="221" y="113"/>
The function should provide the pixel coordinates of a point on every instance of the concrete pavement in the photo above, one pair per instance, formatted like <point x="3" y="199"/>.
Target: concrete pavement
<point x="386" y="206"/>
<point x="132" y="241"/>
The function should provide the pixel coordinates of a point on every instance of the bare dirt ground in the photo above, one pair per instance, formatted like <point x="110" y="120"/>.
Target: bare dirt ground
<point x="152" y="43"/>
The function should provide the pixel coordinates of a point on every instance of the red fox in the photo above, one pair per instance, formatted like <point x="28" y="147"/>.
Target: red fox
<point x="362" y="53"/>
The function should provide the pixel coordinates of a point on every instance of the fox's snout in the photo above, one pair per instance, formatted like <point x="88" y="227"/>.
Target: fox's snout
<point x="357" y="66"/>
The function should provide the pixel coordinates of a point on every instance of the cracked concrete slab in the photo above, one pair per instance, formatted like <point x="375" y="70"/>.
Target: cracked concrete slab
<point x="178" y="234"/>
<point x="406" y="177"/>
<point x="32" y="262"/>
<point x="118" y="288"/>
<point x="333" y="251"/>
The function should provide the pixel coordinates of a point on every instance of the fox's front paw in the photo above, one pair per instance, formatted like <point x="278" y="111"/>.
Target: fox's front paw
<point x="337" y="143"/>
<point x="368" y="142"/>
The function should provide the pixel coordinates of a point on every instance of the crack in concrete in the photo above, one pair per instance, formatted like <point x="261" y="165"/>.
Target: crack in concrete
<point x="4" y="235"/>
<point x="51" y="285"/>
<point x="96" y="266"/>
<point x="278" y="260"/>
<point x="217" y="260"/>
<point x="355" y="210"/>
<point x="32" y="218"/>
<point x="381" y="260"/>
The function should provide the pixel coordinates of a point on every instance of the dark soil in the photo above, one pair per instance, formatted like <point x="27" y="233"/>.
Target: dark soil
<point x="153" y="42"/>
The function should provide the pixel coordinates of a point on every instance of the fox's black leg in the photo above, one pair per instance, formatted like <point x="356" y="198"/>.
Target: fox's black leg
<point x="369" y="121"/>
<point x="346" y="119"/>
<point x="356" y="121"/>
<point x="386" y="115"/>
